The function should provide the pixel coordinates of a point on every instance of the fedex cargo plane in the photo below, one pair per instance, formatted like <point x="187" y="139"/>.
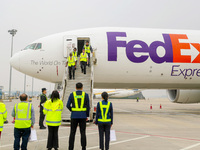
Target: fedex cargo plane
<point x="123" y="58"/>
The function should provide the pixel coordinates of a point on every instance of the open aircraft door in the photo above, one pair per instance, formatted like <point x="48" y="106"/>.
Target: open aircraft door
<point x="69" y="43"/>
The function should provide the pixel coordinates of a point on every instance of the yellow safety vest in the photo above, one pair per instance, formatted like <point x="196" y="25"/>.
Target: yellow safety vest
<point x="74" y="55"/>
<point x="23" y="115"/>
<point x="83" y="57"/>
<point x="104" y="116"/>
<point x="53" y="112"/>
<point x="3" y="115"/>
<point x="87" y="48"/>
<point x="76" y="97"/>
<point x="71" y="61"/>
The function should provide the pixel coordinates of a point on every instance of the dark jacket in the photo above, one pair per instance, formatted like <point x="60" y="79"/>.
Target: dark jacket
<point x="81" y="114"/>
<point x="43" y="99"/>
<point x="109" y="115"/>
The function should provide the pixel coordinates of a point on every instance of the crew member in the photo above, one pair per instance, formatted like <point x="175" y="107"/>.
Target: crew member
<point x="88" y="50"/>
<point x="43" y="99"/>
<point x="53" y="110"/>
<point x="3" y="116"/>
<point x="71" y="62"/>
<point x="24" y="119"/>
<point x="78" y="104"/>
<point x="104" y="120"/>
<point x="74" y="53"/>
<point x="83" y="61"/>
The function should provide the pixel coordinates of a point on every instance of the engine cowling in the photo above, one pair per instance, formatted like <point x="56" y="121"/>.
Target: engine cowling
<point x="184" y="96"/>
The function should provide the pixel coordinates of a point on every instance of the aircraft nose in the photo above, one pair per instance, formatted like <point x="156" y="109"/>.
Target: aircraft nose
<point x="14" y="61"/>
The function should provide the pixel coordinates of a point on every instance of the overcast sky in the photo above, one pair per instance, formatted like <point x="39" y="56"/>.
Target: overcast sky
<point x="38" y="18"/>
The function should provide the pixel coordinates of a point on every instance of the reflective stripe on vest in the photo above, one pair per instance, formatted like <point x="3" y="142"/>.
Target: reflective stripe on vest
<point x="71" y="61"/>
<point x="52" y="110"/>
<point x="53" y="121"/>
<point x="3" y="112"/>
<point x="104" y="116"/>
<point x="76" y="97"/>
<point x="23" y="115"/>
<point x="83" y="57"/>
<point x="87" y="48"/>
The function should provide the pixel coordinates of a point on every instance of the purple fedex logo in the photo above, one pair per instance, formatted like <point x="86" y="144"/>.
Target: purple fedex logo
<point x="171" y="45"/>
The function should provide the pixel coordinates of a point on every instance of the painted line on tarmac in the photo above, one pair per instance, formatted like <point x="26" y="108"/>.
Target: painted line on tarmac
<point x="124" y="141"/>
<point x="192" y="146"/>
<point x="63" y="137"/>
<point x="152" y="135"/>
<point x="161" y="136"/>
<point x="122" y="110"/>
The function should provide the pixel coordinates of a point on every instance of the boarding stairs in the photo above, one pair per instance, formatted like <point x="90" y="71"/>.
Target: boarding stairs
<point x="70" y="85"/>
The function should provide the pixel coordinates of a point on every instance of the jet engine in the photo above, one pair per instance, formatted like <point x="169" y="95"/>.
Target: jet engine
<point x="184" y="96"/>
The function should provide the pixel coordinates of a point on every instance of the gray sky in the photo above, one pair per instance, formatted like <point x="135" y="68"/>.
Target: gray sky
<point x="39" y="18"/>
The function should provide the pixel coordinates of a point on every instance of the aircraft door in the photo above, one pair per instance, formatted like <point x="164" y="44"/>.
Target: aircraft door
<point x="69" y="43"/>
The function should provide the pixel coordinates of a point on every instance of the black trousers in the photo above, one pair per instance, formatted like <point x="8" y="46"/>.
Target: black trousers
<point x="41" y="120"/>
<point x="88" y="59"/>
<point x="83" y="66"/>
<point x="71" y="72"/>
<point x="104" y="128"/>
<point x="82" y="126"/>
<point x="52" y="137"/>
<point x="24" y="134"/>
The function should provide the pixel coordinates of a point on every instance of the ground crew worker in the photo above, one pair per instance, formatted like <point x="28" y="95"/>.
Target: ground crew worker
<point x="3" y="116"/>
<point x="24" y="119"/>
<point x="104" y="120"/>
<point x="71" y="62"/>
<point x="53" y="110"/>
<point x="88" y="50"/>
<point x="43" y="99"/>
<point x="79" y="105"/>
<point x="74" y="54"/>
<point x="83" y="61"/>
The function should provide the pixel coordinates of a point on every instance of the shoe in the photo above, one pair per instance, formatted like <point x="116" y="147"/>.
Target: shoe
<point x="56" y="148"/>
<point x="43" y="127"/>
<point x="73" y="78"/>
<point x="83" y="148"/>
<point x="6" y="122"/>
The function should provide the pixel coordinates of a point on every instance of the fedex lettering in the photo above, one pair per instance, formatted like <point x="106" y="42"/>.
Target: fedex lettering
<point x="171" y="45"/>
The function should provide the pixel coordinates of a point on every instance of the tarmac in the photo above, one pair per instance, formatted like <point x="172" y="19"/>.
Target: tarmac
<point x="174" y="127"/>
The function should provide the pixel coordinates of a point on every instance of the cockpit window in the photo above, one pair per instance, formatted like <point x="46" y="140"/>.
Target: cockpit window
<point x="39" y="46"/>
<point x="34" y="46"/>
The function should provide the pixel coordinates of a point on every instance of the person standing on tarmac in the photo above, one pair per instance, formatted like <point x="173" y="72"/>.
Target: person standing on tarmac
<point x="74" y="54"/>
<point x="83" y="61"/>
<point x="24" y="119"/>
<point x="79" y="105"/>
<point x="3" y="116"/>
<point x="71" y="62"/>
<point x="43" y="99"/>
<point x="104" y="120"/>
<point x="53" y="110"/>
<point x="88" y="50"/>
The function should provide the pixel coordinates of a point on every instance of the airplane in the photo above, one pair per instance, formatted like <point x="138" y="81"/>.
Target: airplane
<point x="124" y="58"/>
<point x="119" y="93"/>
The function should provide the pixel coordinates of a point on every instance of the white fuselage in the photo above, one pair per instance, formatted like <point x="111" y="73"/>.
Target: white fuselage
<point x="126" y="57"/>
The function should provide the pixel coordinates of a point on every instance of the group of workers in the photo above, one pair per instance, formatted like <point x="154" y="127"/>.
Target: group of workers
<point x="79" y="105"/>
<point x="83" y="61"/>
